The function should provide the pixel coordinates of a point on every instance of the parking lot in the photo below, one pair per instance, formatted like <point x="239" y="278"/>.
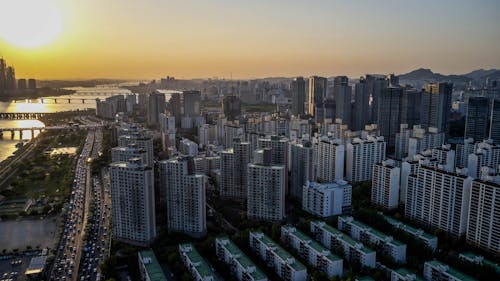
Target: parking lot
<point x="23" y="233"/>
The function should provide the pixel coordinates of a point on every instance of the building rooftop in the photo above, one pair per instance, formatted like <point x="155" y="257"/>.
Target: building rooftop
<point x="313" y="244"/>
<point x="405" y="272"/>
<point x="284" y="255"/>
<point x="408" y="228"/>
<point x="451" y="271"/>
<point x="152" y="266"/>
<point x="345" y="237"/>
<point x="199" y="263"/>
<point x="243" y="259"/>
<point x="480" y="259"/>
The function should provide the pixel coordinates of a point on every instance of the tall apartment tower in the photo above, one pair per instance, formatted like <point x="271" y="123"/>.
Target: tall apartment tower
<point x="385" y="184"/>
<point x="376" y="84"/>
<point x="343" y="95"/>
<point x="389" y="113"/>
<point x="495" y="120"/>
<point x="439" y="198"/>
<point x="142" y="141"/>
<point x="483" y="228"/>
<point x="192" y="101"/>
<point x="477" y="117"/>
<point x="331" y="155"/>
<point x="298" y="88"/>
<point x="156" y="105"/>
<point x="317" y="97"/>
<point x="231" y="106"/>
<point x="410" y="107"/>
<point x="234" y="163"/>
<point x="133" y="202"/>
<point x="185" y="196"/>
<point x="266" y="188"/>
<point x="436" y="105"/>
<point x="361" y="155"/>
<point x="361" y="108"/>
<point x="301" y="167"/>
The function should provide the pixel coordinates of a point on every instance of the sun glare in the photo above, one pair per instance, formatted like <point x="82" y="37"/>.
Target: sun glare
<point x="29" y="23"/>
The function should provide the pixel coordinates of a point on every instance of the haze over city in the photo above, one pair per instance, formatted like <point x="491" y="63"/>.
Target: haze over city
<point x="246" y="39"/>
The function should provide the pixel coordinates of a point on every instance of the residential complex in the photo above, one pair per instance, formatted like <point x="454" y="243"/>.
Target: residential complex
<point x="327" y="199"/>
<point x="197" y="266"/>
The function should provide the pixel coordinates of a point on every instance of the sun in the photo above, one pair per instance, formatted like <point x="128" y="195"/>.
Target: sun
<point x="30" y="23"/>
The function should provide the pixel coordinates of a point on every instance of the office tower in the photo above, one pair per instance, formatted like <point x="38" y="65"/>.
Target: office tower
<point x="192" y="101"/>
<point x="436" y="105"/>
<point x="311" y="251"/>
<point x="361" y="155"/>
<point x="22" y="85"/>
<point x="410" y="107"/>
<point x="486" y="154"/>
<point x="439" y="199"/>
<point x="327" y="199"/>
<point x="234" y="169"/>
<point x="366" y="234"/>
<point x="156" y="105"/>
<point x="231" y="106"/>
<point x="266" y="188"/>
<point x="484" y="214"/>
<point x="133" y="202"/>
<point x="330" y="160"/>
<point x="283" y="264"/>
<point x="142" y="141"/>
<point x="335" y="239"/>
<point x="437" y="271"/>
<point x="298" y="88"/>
<point x="495" y="120"/>
<point x="343" y="95"/>
<point x="200" y="270"/>
<point x="477" y="117"/>
<point x="240" y="266"/>
<point x="125" y="153"/>
<point x="31" y="84"/>
<point x="317" y="97"/>
<point x="389" y="113"/>
<point x="361" y="107"/>
<point x="385" y="184"/>
<point x="376" y="84"/>
<point x="301" y="167"/>
<point x="185" y="196"/>
<point x="10" y="79"/>
<point x="175" y="108"/>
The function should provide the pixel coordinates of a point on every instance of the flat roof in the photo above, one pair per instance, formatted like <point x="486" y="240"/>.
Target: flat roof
<point x="37" y="264"/>
<point x="243" y="259"/>
<point x="451" y="271"/>
<point x="282" y="253"/>
<point x="153" y="269"/>
<point x="201" y="265"/>
<point x="404" y="272"/>
<point x="314" y="244"/>
<point x="345" y="237"/>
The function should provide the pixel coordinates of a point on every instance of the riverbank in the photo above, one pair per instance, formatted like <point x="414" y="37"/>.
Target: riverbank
<point x="35" y="94"/>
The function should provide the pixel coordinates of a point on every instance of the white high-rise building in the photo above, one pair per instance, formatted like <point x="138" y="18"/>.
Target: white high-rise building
<point x="412" y="141"/>
<point x="440" y="199"/>
<point x="463" y="151"/>
<point x="266" y="188"/>
<point x="487" y="154"/>
<point x="188" y="147"/>
<point x="437" y="271"/>
<point x="361" y="155"/>
<point x="123" y="154"/>
<point x="234" y="163"/>
<point x="142" y="141"/>
<point x="330" y="160"/>
<point x="301" y="167"/>
<point x="385" y="184"/>
<point x="185" y="196"/>
<point x="484" y="214"/>
<point x="133" y="202"/>
<point x="327" y="199"/>
<point x="445" y="157"/>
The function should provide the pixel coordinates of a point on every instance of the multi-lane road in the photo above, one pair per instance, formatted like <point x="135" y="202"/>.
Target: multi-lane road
<point x="77" y="254"/>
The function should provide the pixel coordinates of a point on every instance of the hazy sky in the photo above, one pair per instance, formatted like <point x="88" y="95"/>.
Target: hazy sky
<point x="258" y="38"/>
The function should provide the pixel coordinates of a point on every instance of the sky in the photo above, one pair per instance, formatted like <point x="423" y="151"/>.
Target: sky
<point x="149" y="39"/>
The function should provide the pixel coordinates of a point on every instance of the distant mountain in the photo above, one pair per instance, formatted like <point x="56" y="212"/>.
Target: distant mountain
<point x="482" y="73"/>
<point x="424" y="74"/>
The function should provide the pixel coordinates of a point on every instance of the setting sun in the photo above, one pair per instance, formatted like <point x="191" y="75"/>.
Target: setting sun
<point x="30" y="23"/>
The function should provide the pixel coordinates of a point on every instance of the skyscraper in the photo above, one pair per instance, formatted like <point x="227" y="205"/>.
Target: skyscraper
<point x="185" y="196"/>
<point x="389" y="114"/>
<point x="330" y="160"/>
<point x="376" y="85"/>
<point x="302" y="167"/>
<point x="476" y="122"/>
<point x="436" y="105"/>
<point x="266" y="188"/>
<point x="231" y="106"/>
<point x="192" y="101"/>
<point x="385" y="184"/>
<point x="233" y="178"/>
<point x="343" y="95"/>
<point x="133" y="202"/>
<point x="317" y="97"/>
<point x="298" y="88"/>
<point x="361" y="109"/>
<point x="156" y="105"/>
<point x="175" y="107"/>
<point x="495" y="120"/>
<point x="410" y="107"/>
<point x="361" y="155"/>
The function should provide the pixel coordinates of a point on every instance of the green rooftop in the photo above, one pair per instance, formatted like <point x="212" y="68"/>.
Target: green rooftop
<point x="453" y="272"/>
<point x="152" y="266"/>
<point x="315" y="245"/>
<point x="344" y="237"/>
<point x="407" y="228"/>
<point x="243" y="259"/>
<point x="485" y="261"/>
<point x="284" y="255"/>
<point x="364" y="278"/>
<point x="404" y="272"/>
<point x="200" y="264"/>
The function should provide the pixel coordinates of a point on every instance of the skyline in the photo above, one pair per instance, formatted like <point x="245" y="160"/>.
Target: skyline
<point x="194" y="39"/>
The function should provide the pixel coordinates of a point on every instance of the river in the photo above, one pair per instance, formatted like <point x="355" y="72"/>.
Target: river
<point x="8" y="143"/>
